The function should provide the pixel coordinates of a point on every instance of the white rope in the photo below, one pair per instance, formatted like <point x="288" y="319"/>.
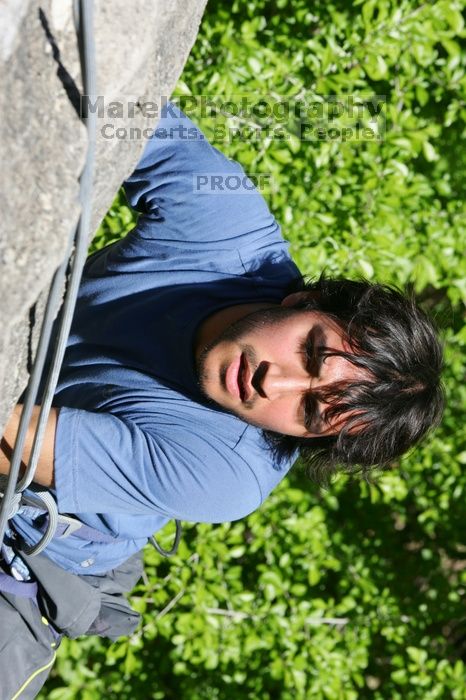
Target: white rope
<point x="9" y="503"/>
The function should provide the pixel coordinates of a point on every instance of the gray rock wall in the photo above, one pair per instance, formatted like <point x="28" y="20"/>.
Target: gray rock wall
<point x="141" y="47"/>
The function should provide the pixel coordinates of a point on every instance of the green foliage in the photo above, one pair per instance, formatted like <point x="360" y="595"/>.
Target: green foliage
<point x="357" y="592"/>
<point x="117" y="223"/>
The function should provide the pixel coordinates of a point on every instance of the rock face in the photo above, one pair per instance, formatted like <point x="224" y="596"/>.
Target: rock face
<point x="141" y="48"/>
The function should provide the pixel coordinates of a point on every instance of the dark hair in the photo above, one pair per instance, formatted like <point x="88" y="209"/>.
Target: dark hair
<point x="391" y="337"/>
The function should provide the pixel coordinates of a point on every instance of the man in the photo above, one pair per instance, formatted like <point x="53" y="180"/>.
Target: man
<point x="199" y="365"/>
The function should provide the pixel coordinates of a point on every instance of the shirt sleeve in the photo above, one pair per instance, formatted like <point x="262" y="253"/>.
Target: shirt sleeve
<point x="186" y="190"/>
<point x="106" y="464"/>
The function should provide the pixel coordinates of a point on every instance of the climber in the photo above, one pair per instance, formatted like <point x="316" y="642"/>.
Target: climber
<point x="200" y="365"/>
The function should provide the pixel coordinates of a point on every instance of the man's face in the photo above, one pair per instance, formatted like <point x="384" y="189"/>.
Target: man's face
<point x="263" y="367"/>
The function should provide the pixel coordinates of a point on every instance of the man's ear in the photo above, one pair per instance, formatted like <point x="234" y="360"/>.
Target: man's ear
<point x="299" y="298"/>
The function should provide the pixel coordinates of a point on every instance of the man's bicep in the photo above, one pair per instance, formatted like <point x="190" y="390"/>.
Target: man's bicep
<point x="107" y="463"/>
<point x="44" y="474"/>
<point x="103" y="464"/>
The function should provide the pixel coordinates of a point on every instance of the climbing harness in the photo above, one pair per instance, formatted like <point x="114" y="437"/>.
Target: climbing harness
<point x="68" y="276"/>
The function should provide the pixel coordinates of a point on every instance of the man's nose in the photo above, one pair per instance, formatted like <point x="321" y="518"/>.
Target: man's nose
<point x="278" y="382"/>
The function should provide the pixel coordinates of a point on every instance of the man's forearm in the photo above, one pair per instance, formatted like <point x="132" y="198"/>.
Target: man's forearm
<point x="44" y="472"/>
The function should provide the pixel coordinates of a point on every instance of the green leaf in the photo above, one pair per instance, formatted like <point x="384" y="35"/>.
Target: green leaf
<point x="376" y="67"/>
<point x="282" y="156"/>
<point x="400" y="677"/>
<point x="254" y="64"/>
<point x="417" y="655"/>
<point x="368" y="12"/>
<point x="429" y="151"/>
<point x="366" y="268"/>
<point x="453" y="17"/>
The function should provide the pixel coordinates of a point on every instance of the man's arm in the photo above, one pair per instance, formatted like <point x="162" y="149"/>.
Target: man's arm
<point x="176" y="187"/>
<point x="45" y="471"/>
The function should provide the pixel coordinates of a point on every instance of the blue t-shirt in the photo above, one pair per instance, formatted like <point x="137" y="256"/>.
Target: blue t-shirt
<point x="136" y="442"/>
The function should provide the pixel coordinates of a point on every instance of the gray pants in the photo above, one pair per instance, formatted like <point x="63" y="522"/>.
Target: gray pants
<point x="32" y="624"/>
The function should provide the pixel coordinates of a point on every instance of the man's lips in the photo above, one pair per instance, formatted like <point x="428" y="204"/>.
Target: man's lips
<point x="231" y="377"/>
<point x="237" y="378"/>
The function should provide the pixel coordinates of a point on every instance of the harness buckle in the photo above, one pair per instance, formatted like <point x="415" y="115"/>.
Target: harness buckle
<point x="69" y="526"/>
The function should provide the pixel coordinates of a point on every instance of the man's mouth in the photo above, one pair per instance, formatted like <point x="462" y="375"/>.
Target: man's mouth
<point x="237" y="378"/>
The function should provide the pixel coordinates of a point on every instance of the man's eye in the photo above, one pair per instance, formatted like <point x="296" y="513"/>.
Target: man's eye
<point x="311" y="357"/>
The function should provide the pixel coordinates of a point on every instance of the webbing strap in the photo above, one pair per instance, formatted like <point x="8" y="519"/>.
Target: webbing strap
<point x="62" y="526"/>
<point x="70" y="526"/>
<point x="23" y="589"/>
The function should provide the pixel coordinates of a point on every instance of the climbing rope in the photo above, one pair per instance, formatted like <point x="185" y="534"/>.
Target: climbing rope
<point x="74" y="260"/>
